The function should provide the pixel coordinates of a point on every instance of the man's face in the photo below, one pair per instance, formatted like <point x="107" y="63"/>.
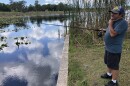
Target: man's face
<point x="115" y="16"/>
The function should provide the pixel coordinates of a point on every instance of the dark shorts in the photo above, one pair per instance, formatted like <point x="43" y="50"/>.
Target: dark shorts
<point x="112" y="60"/>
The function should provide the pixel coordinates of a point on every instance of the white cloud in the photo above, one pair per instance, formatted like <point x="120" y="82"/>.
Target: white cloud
<point x="55" y="1"/>
<point x="39" y="33"/>
<point x="63" y="1"/>
<point x="36" y="33"/>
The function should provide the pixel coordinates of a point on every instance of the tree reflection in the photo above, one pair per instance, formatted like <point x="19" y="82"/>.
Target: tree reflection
<point x="14" y="81"/>
<point x="39" y="19"/>
<point x="2" y="26"/>
<point x="22" y="22"/>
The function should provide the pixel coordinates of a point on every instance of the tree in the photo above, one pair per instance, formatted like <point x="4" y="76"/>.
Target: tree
<point x="22" y="5"/>
<point x="18" y="6"/>
<point x="60" y="6"/>
<point x="11" y="1"/>
<point x="36" y="4"/>
<point x="4" y="7"/>
<point x="31" y="8"/>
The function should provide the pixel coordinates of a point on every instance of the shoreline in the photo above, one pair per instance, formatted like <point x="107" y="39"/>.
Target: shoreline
<point x="15" y="17"/>
<point x="21" y="14"/>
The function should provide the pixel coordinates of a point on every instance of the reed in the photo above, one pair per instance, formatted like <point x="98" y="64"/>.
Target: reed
<point x="91" y="14"/>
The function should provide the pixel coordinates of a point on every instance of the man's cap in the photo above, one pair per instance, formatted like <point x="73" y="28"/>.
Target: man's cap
<point x="118" y="9"/>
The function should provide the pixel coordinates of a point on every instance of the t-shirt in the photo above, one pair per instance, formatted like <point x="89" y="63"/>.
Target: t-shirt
<point x="114" y="44"/>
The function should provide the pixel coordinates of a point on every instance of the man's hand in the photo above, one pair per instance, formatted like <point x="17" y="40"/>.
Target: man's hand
<point x="111" y="29"/>
<point x="111" y="22"/>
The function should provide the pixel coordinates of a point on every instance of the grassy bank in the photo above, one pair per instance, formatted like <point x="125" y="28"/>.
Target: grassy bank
<point x="17" y="17"/>
<point x="86" y="65"/>
<point x="21" y="14"/>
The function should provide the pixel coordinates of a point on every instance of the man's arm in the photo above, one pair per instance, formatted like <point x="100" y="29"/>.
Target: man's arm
<point x="111" y="29"/>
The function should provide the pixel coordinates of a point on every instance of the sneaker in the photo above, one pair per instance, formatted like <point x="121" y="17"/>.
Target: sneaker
<point x="105" y="76"/>
<point x="111" y="83"/>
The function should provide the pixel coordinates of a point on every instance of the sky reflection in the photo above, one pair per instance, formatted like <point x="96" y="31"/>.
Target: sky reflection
<point x="32" y="55"/>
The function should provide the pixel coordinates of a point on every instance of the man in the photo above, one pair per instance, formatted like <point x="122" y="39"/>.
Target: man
<point x="113" y="38"/>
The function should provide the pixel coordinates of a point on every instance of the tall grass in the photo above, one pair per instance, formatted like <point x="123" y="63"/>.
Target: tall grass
<point x="91" y="14"/>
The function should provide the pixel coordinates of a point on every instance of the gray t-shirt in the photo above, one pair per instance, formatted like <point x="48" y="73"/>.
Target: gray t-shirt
<point x="114" y="44"/>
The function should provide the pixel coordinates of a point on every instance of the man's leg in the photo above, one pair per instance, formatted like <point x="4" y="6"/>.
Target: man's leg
<point x="109" y="70"/>
<point x="108" y="74"/>
<point x="113" y="61"/>
<point x="115" y="74"/>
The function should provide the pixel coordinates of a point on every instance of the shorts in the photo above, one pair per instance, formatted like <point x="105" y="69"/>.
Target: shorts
<point x="112" y="60"/>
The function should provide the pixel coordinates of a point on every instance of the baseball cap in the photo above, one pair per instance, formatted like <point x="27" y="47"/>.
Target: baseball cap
<point x="118" y="9"/>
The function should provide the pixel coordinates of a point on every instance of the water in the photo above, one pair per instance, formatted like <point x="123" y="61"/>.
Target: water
<point x="30" y="52"/>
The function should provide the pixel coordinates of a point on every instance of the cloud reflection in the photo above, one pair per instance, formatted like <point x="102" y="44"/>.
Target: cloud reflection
<point x="37" y="71"/>
<point x="33" y="74"/>
<point x="14" y="81"/>
<point x="39" y="33"/>
<point x="32" y="67"/>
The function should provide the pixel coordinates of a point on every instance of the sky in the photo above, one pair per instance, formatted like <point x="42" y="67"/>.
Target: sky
<point x="33" y="1"/>
<point x="43" y="1"/>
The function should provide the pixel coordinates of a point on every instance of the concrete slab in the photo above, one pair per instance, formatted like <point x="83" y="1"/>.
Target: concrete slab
<point x="63" y="72"/>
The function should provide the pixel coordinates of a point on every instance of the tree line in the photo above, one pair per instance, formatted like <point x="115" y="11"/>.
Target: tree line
<point x="20" y="6"/>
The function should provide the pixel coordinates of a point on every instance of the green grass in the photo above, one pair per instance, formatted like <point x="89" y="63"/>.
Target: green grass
<point x="76" y="72"/>
<point x="21" y="14"/>
<point x="86" y="65"/>
<point x="17" y="17"/>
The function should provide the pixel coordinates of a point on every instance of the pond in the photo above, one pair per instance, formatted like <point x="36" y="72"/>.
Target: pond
<point x="30" y="51"/>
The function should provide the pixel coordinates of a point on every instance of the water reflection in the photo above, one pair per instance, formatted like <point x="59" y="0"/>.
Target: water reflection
<point x="3" y="26"/>
<point x="29" y="56"/>
<point x="61" y="18"/>
<point x="39" y="20"/>
<point x="14" y="81"/>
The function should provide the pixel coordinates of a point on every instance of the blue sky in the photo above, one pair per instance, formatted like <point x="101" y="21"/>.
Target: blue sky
<point x="40" y="1"/>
